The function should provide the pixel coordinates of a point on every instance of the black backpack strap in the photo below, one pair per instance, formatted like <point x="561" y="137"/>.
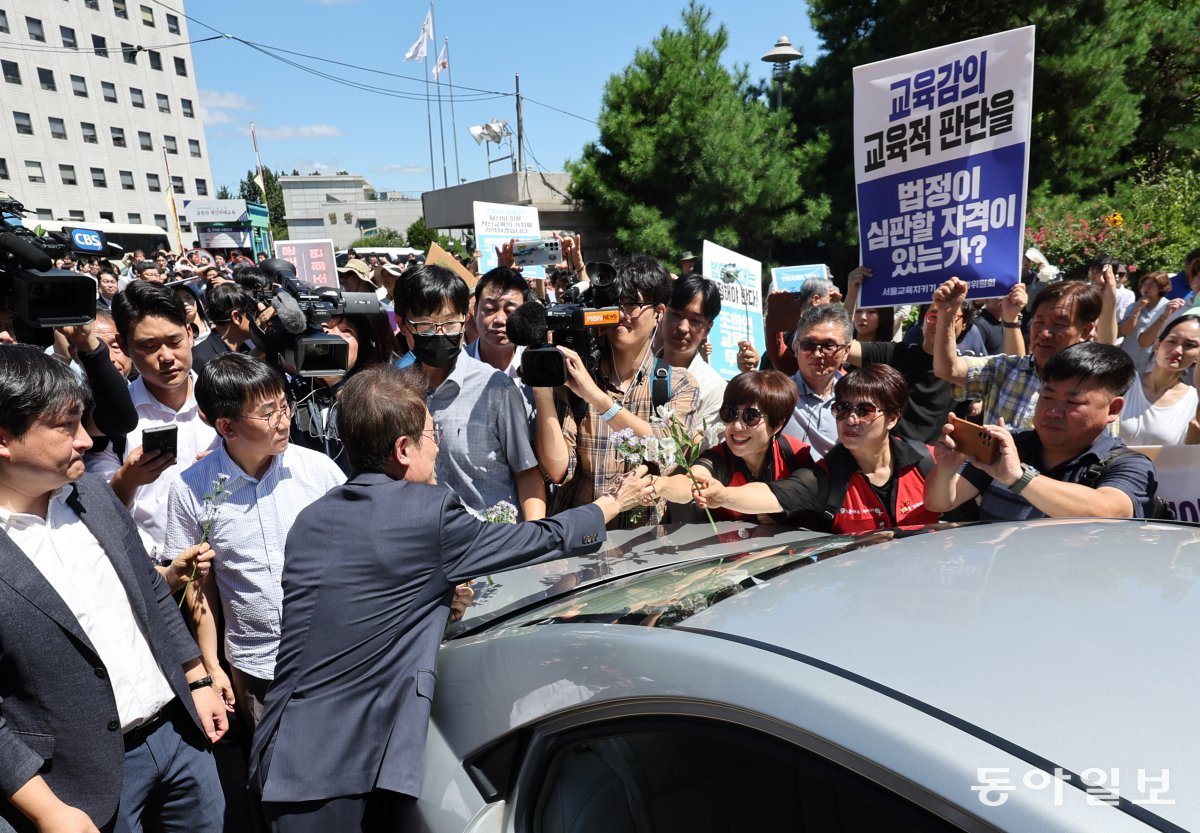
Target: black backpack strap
<point x="1093" y="473"/>
<point x="841" y="469"/>
<point x="660" y="383"/>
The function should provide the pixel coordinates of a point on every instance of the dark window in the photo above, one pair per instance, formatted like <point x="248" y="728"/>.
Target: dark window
<point x="34" y="27"/>
<point x="24" y="123"/>
<point x="194" y="148"/>
<point x="129" y="52"/>
<point x="177" y="184"/>
<point x="169" y="144"/>
<point x="94" y="5"/>
<point x="3" y="169"/>
<point x="109" y="91"/>
<point x="181" y="67"/>
<point x="144" y="141"/>
<point x="152" y="182"/>
<point x="118" y="137"/>
<point x="79" y="86"/>
<point x="107" y="217"/>
<point x="172" y="24"/>
<point x="202" y="187"/>
<point x="46" y="79"/>
<point x="164" y="103"/>
<point x="98" y="178"/>
<point x="77" y="216"/>
<point x="160" y="220"/>
<point x="12" y="72"/>
<point x="33" y="171"/>
<point x="185" y="104"/>
<point x="135" y="96"/>
<point x="120" y="9"/>
<point x="89" y="133"/>
<point x="44" y="213"/>
<point x="126" y="180"/>
<point x="58" y="128"/>
<point x="155" y="60"/>
<point x="68" y="37"/>
<point x="148" y="16"/>
<point x="100" y="45"/>
<point x="4" y="30"/>
<point x="67" y="174"/>
<point x="136" y="219"/>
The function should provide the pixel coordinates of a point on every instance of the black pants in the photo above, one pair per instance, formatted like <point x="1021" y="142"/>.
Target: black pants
<point x="375" y="812"/>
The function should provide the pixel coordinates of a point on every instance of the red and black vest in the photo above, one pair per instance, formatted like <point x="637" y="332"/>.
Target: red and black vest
<point x="787" y="455"/>
<point x="854" y="507"/>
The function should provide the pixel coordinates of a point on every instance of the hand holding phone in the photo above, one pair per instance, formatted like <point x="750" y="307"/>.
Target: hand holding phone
<point x="164" y="438"/>
<point x="973" y="440"/>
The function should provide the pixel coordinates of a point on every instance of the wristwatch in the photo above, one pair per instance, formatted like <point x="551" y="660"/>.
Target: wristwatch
<point x="1028" y="472"/>
<point x="1011" y="325"/>
<point x="203" y="682"/>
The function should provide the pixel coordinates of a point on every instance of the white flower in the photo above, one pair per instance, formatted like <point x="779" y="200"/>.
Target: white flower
<point x="634" y="458"/>
<point x="667" y="449"/>
<point x="652" y="447"/>
<point x="665" y="412"/>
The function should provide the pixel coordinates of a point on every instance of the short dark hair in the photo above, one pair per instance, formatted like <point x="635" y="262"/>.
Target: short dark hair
<point x="231" y="381"/>
<point x="641" y="278"/>
<point x="1194" y="254"/>
<point x="1176" y="321"/>
<point x="224" y="298"/>
<point x="33" y="385"/>
<point x="772" y="392"/>
<point x="881" y="383"/>
<point x="144" y="265"/>
<point x="426" y="289"/>
<point x="1083" y="298"/>
<point x="824" y="314"/>
<point x="377" y="343"/>
<point x="506" y="280"/>
<point x="250" y="278"/>
<point x="685" y="289"/>
<point x="1098" y="364"/>
<point x="146" y="300"/>
<point x="375" y="408"/>
<point x="887" y="322"/>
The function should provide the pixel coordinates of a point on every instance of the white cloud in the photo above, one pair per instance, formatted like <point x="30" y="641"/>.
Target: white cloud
<point x="400" y="169"/>
<point x="212" y="118"/>
<point x="215" y="100"/>
<point x="307" y="131"/>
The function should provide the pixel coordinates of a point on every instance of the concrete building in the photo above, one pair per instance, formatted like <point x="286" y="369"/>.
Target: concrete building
<point x="342" y="207"/>
<point x="99" y="117"/>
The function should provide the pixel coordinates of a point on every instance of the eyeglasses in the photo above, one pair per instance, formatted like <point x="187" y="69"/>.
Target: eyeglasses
<point x="437" y="434"/>
<point x="276" y="417"/>
<point x="750" y="416"/>
<point x="632" y="309"/>
<point x="428" y="328"/>
<point x="865" y="411"/>
<point x="824" y="348"/>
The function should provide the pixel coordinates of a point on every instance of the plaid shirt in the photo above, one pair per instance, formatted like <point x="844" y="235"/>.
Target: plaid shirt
<point x="592" y="463"/>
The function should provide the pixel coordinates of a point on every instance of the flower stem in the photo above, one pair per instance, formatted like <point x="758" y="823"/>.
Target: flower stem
<point x="187" y="584"/>
<point x="696" y="488"/>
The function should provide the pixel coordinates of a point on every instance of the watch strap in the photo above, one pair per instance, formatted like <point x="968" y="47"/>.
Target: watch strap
<point x="203" y="682"/>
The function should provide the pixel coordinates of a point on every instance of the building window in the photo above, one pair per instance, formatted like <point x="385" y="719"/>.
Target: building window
<point x="148" y="16"/>
<point x="79" y="86"/>
<point x="89" y="133"/>
<point x="164" y="103"/>
<point x="109" y="91"/>
<point x="126" y="180"/>
<point x="68" y="37"/>
<point x="3" y="25"/>
<point x="155" y="60"/>
<point x="129" y="53"/>
<point x="152" y="182"/>
<point x="177" y="184"/>
<point x="194" y="148"/>
<point x="24" y="123"/>
<point x="33" y="171"/>
<point x="100" y="45"/>
<point x="172" y="24"/>
<point x="94" y="5"/>
<point x="169" y="144"/>
<point x="44" y="214"/>
<point x="118" y="137"/>
<point x="186" y="105"/>
<point x="3" y="169"/>
<point x="76" y="216"/>
<point x="98" y="178"/>
<point x="144" y="141"/>
<point x="58" y="128"/>
<point x="136" y="219"/>
<point x="160" y="220"/>
<point x="181" y="67"/>
<point x="34" y="27"/>
<point x="107" y="217"/>
<point x="46" y="79"/>
<point x="12" y="72"/>
<point x="135" y="95"/>
<point x="120" y="9"/>
<point x="67" y="174"/>
<point x="202" y="187"/>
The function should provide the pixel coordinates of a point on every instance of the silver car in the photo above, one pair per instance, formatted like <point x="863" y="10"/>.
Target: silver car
<point x="1037" y="676"/>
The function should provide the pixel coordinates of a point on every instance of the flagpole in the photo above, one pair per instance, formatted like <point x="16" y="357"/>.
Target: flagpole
<point x="437" y="78"/>
<point x="171" y="198"/>
<point x="453" y="120"/>
<point x="429" y="123"/>
<point x="261" y="181"/>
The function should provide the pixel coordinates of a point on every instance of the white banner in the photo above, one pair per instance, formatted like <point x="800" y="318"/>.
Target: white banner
<point x="740" y="280"/>
<point x="1178" y="468"/>
<point x="496" y="224"/>
<point x="313" y="259"/>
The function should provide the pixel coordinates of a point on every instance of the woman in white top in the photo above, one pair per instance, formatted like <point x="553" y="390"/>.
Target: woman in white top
<point x="1160" y="408"/>
<point x="1138" y="318"/>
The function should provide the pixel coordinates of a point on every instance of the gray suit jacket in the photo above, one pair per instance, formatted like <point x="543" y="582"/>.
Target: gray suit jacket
<point x="368" y="579"/>
<point x="57" y="712"/>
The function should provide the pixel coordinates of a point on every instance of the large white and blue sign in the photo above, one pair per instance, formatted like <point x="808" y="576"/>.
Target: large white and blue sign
<point x="792" y="278"/>
<point x="941" y="167"/>
<point x="739" y="279"/>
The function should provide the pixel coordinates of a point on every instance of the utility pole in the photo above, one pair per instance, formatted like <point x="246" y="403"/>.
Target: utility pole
<point x="520" y="128"/>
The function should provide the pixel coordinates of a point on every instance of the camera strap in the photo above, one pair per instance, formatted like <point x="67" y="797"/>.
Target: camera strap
<point x="660" y="383"/>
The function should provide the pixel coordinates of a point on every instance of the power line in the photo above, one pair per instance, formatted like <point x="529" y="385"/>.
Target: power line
<point x="97" y="49"/>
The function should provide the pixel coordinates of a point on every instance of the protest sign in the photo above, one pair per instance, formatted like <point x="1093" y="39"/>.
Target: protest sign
<point x="496" y="224"/>
<point x="313" y="260"/>
<point x="1178" y="470"/>
<point x="791" y="278"/>
<point x="437" y="256"/>
<point x="941" y="162"/>
<point x="739" y="280"/>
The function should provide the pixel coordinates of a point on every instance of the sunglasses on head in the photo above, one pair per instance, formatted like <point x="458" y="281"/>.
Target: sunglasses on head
<point x="863" y="410"/>
<point x="750" y="416"/>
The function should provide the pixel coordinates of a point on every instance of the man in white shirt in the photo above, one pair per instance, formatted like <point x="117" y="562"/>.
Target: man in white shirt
<point x="498" y="293"/>
<point x="102" y="690"/>
<point x="154" y="333"/>
<point x="694" y="306"/>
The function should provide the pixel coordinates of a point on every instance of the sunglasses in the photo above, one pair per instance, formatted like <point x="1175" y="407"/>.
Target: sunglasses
<point x="865" y="411"/>
<point x="826" y="349"/>
<point x="749" y="416"/>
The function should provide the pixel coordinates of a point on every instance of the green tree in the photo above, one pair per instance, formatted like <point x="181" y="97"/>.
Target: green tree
<point x="224" y="193"/>
<point x="688" y="152"/>
<point x="248" y="190"/>
<point x="419" y="236"/>
<point x="388" y="237"/>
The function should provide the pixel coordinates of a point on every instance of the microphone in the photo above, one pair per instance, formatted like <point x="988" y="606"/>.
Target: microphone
<point x="30" y="255"/>
<point x="288" y="313"/>
<point x="527" y="324"/>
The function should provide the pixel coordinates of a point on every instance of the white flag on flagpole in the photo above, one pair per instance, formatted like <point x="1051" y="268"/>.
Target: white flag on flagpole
<point x="443" y="62"/>
<point x="416" y="52"/>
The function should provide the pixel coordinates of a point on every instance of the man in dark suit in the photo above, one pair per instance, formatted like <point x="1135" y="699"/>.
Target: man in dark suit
<point x="102" y="694"/>
<point x="342" y="738"/>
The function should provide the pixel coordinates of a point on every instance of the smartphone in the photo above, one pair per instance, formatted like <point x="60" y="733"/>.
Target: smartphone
<point x="974" y="440"/>
<point x="545" y="251"/>
<point x="164" y="438"/>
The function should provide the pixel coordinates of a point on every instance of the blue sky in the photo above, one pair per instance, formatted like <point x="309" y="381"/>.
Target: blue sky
<point x="564" y="52"/>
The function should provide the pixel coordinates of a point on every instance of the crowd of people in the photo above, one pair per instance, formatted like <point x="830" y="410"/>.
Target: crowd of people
<point x="171" y="449"/>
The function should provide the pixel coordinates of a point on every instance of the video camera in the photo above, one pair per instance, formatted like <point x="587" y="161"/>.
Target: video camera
<point x="575" y="323"/>
<point x="40" y="296"/>
<point x="300" y="310"/>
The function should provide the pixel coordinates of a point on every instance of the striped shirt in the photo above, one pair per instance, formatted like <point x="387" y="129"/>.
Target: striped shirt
<point x="1008" y="386"/>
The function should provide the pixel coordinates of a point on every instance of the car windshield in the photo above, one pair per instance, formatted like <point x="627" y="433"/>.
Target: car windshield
<point x="666" y="597"/>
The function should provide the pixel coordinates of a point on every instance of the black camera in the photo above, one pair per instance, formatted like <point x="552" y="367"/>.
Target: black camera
<point x="575" y="323"/>
<point x="40" y="296"/>
<point x="300" y="309"/>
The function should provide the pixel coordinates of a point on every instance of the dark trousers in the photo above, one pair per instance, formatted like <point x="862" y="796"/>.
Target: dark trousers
<point x="376" y="812"/>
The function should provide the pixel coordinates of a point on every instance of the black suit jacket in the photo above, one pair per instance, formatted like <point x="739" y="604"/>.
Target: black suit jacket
<point x="58" y="716"/>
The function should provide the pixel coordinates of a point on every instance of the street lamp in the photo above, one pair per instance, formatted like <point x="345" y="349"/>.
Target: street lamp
<point x="781" y="56"/>
<point x="495" y="132"/>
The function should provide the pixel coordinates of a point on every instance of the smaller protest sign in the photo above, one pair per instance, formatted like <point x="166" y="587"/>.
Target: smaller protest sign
<point x="739" y="279"/>
<point x="791" y="278"/>
<point x="437" y="256"/>
<point x="313" y="259"/>
<point x="496" y="224"/>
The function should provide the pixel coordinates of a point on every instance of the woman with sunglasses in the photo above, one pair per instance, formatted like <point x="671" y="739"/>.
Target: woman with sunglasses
<point x="871" y="479"/>
<point x="756" y="406"/>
